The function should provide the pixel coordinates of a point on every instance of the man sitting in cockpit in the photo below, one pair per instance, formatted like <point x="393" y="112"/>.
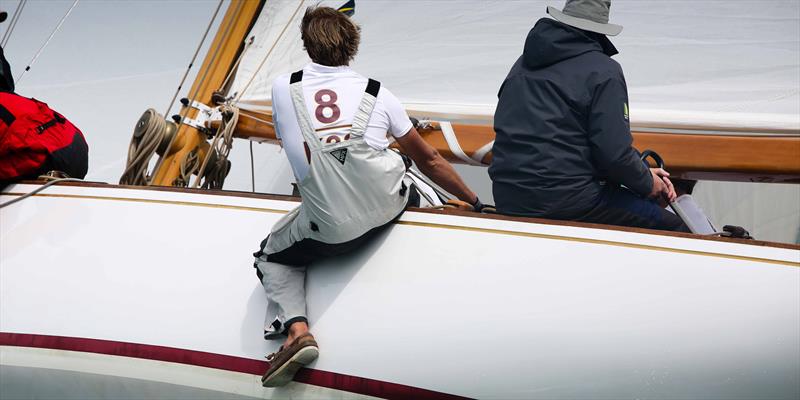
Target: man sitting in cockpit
<point x="563" y="145"/>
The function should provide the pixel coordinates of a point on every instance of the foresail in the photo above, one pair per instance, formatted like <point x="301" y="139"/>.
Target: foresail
<point x="714" y="66"/>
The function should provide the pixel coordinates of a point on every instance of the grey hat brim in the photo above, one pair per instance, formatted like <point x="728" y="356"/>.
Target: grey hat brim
<point x="585" y="24"/>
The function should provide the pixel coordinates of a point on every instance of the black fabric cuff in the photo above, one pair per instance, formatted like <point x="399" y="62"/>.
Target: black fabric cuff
<point x="289" y="323"/>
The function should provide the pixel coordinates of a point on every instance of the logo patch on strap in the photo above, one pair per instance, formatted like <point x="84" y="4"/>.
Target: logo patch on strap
<point x="340" y="155"/>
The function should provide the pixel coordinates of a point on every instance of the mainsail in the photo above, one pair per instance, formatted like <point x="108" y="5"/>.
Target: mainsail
<point x="708" y="65"/>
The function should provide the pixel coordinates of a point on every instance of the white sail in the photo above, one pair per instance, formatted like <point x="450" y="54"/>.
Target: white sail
<point x="694" y="65"/>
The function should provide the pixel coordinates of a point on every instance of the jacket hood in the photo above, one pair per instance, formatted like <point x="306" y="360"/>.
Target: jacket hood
<point x="551" y="41"/>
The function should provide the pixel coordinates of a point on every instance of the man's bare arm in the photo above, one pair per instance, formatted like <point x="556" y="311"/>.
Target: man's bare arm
<point x="434" y="166"/>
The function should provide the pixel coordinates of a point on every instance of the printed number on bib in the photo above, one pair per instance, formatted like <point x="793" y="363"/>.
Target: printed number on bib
<point x="327" y="111"/>
<point x="334" y="138"/>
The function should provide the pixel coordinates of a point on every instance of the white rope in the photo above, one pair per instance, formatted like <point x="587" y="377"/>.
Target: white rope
<point x="270" y="123"/>
<point x="13" y="23"/>
<point x="452" y="142"/>
<point x="253" y="77"/>
<point x="58" y="27"/>
<point x="479" y="154"/>
<point x="142" y="148"/>
<point x="247" y="44"/>
<point x="438" y="190"/>
<point x="189" y="166"/>
<point x="214" y="177"/>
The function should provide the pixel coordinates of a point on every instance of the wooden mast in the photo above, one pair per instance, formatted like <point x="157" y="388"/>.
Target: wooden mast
<point x="221" y="56"/>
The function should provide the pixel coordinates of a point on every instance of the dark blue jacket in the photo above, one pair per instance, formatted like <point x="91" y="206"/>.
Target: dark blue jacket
<point x="562" y="127"/>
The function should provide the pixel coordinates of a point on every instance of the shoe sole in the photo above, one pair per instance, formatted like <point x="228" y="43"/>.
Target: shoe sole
<point x="286" y="372"/>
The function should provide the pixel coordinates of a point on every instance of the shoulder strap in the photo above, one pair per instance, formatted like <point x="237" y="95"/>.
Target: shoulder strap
<point x="364" y="111"/>
<point x="303" y="119"/>
<point x="296" y="77"/>
<point x="6" y="116"/>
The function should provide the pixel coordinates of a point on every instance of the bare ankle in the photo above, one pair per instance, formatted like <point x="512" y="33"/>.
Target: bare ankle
<point x="295" y="330"/>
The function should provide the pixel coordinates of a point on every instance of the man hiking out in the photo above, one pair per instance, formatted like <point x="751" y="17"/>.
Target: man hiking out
<point x="333" y="124"/>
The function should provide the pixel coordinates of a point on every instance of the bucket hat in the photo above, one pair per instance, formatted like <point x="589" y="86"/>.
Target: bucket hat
<point x="589" y="15"/>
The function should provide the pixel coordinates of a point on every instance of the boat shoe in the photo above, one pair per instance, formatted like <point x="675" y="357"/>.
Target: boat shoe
<point x="287" y="361"/>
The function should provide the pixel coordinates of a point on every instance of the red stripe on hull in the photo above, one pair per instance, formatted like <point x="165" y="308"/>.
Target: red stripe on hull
<point x="331" y="380"/>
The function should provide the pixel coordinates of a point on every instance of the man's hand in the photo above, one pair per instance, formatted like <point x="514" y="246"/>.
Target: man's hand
<point x="476" y="206"/>
<point x="662" y="187"/>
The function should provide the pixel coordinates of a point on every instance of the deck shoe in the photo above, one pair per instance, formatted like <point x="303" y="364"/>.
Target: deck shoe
<point x="287" y="361"/>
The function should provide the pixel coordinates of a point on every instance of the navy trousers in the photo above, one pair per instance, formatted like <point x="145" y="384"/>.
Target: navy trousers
<point x="619" y="206"/>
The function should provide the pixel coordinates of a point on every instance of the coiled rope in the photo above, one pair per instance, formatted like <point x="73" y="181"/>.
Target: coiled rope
<point x="153" y="130"/>
<point x="189" y="166"/>
<point x="214" y="173"/>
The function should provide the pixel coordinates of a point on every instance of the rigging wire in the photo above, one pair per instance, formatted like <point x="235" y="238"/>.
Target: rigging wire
<point x="291" y="19"/>
<point x="13" y="23"/>
<point x="58" y="27"/>
<point x="236" y="64"/>
<point x="252" y="169"/>
<point x="263" y="121"/>
<point x="194" y="57"/>
<point x="39" y="189"/>
<point x="193" y="94"/>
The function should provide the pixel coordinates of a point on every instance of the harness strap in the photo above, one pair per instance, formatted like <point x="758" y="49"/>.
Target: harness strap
<point x="49" y="124"/>
<point x="303" y="119"/>
<point x="296" y="77"/>
<point x="364" y="112"/>
<point x="360" y="119"/>
<point x="6" y="116"/>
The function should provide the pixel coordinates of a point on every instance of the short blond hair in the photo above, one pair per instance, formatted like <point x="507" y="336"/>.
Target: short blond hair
<point x="330" y="37"/>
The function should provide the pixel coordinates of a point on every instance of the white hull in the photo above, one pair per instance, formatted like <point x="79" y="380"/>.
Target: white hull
<point x="441" y="304"/>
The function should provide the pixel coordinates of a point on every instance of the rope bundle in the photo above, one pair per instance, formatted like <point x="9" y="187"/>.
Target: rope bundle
<point x="215" y="165"/>
<point x="150" y="131"/>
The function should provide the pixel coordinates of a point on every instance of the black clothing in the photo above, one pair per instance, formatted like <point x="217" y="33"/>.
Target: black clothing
<point x="562" y="127"/>
<point x="307" y="251"/>
<point x="6" y="80"/>
<point x="619" y="206"/>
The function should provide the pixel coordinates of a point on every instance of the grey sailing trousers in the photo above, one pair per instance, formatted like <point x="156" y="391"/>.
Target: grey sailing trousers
<point x="286" y="295"/>
<point x="283" y="274"/>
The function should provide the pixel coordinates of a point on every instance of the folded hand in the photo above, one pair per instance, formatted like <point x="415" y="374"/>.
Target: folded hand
<point x="662" y="186"/>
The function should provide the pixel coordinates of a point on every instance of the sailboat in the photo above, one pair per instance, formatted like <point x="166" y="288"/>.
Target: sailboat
<point x="147" y="291"/>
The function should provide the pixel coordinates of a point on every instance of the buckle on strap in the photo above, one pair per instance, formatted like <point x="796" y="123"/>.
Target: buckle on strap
<point x="49" y="124"/>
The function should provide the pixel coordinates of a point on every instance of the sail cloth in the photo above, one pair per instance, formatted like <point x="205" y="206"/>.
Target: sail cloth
<point x="731" y="66"/>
